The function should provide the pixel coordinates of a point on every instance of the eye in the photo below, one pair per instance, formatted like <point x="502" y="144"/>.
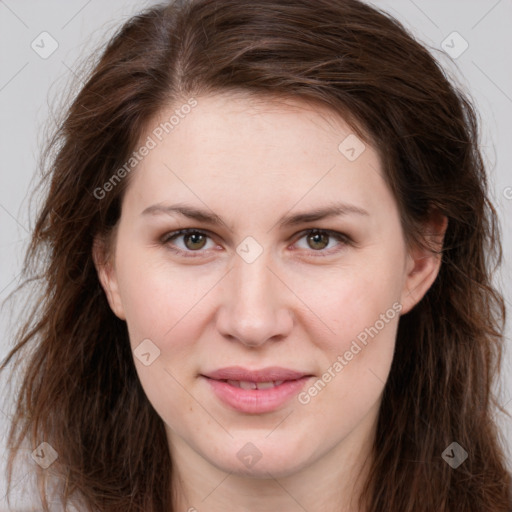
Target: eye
<point x="193" y="240"/>
<point x="319" y="239"/>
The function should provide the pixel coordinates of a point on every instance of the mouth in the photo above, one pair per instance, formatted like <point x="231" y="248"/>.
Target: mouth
<point x="254" y="385"/>
<point x="254" y="395"/>
<point x="271" y="374"/>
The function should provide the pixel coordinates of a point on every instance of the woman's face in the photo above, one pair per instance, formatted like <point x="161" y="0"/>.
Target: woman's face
<point x="296" y="259"/>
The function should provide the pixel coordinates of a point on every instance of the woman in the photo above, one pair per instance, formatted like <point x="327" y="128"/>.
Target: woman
<point x="267" y="245"/>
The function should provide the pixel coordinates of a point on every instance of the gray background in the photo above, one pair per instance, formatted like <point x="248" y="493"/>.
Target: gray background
<point x="29" y="84"/>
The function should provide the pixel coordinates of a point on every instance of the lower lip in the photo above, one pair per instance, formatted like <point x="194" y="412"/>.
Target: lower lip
<point x="256" y="401"/>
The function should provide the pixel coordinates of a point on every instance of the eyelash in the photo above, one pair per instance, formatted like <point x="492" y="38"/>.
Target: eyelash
<point x="168" y="237"/>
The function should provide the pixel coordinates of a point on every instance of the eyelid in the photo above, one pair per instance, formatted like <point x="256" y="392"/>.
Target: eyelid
<point x="343" y="238"/>
<point x="185" y="231"/>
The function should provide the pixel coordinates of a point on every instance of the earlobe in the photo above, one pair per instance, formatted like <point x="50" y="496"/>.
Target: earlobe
<point x="107" y="276"/>
<point x="423" y="263"/>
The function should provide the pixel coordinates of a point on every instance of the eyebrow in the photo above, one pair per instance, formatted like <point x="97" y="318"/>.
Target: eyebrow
<point x="209" y="217"/>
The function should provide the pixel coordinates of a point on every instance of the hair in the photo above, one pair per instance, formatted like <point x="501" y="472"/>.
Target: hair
<point x="80" y="391"/>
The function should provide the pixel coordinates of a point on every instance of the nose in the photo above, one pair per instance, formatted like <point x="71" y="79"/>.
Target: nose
<point x="255" y="308"/>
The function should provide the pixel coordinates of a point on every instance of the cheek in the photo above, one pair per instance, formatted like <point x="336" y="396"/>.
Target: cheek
<point x="355" y="340"/>
<point x="344" y="301"/>
<point x="161" y="306"/>
<point x="160" y="298"/>
<point x="168" y="306"/>
<point x="360" y="307"/>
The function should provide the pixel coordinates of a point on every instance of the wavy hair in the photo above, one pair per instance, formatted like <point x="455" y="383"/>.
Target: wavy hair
<point x="79" y="389"/>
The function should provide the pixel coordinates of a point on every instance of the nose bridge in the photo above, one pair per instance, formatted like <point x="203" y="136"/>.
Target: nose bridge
<point x="253" y="308"/>
<point x="253" y="283"/>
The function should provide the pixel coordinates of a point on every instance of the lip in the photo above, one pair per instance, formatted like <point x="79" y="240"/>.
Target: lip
<point x="261" y="375"/>
<point x="256" y="401"/>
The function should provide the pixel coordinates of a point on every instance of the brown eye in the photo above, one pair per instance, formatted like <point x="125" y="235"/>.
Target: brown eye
<point x="323" y="242"/>
<point x="194" y="241"/>
<point x="188" y="242"/>
<point x="318" y="240"/>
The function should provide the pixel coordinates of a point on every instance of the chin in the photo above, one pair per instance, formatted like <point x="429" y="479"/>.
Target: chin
<point x="260" y="463"/>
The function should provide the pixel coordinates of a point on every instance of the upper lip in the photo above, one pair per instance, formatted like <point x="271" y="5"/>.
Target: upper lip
<point x="271" y="373"/>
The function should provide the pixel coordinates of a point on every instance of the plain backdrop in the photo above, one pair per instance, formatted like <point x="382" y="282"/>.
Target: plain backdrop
<point x="42" y="43"/>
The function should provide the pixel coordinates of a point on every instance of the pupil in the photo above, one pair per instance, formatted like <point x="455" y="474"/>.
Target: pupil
<point x="195" y="238"/>
<point x="319" y="238"/>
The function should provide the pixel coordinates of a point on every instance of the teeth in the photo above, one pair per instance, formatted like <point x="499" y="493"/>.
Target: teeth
<point x="254" y="385"/>
<point x="265" y="385"/>
<point x="247" y="385"/>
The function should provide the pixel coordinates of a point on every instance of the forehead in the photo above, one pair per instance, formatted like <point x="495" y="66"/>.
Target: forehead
<point x="257" y="153"/>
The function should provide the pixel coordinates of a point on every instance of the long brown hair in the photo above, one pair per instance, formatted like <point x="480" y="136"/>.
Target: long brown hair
<point x="79" y="390"/>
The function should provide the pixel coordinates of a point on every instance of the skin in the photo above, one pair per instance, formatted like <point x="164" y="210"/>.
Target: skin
<point x="253" y="161"/>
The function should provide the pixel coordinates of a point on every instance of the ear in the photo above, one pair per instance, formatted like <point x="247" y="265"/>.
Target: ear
<point x="107" y="275"/>
<point x="423" y="263"/>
